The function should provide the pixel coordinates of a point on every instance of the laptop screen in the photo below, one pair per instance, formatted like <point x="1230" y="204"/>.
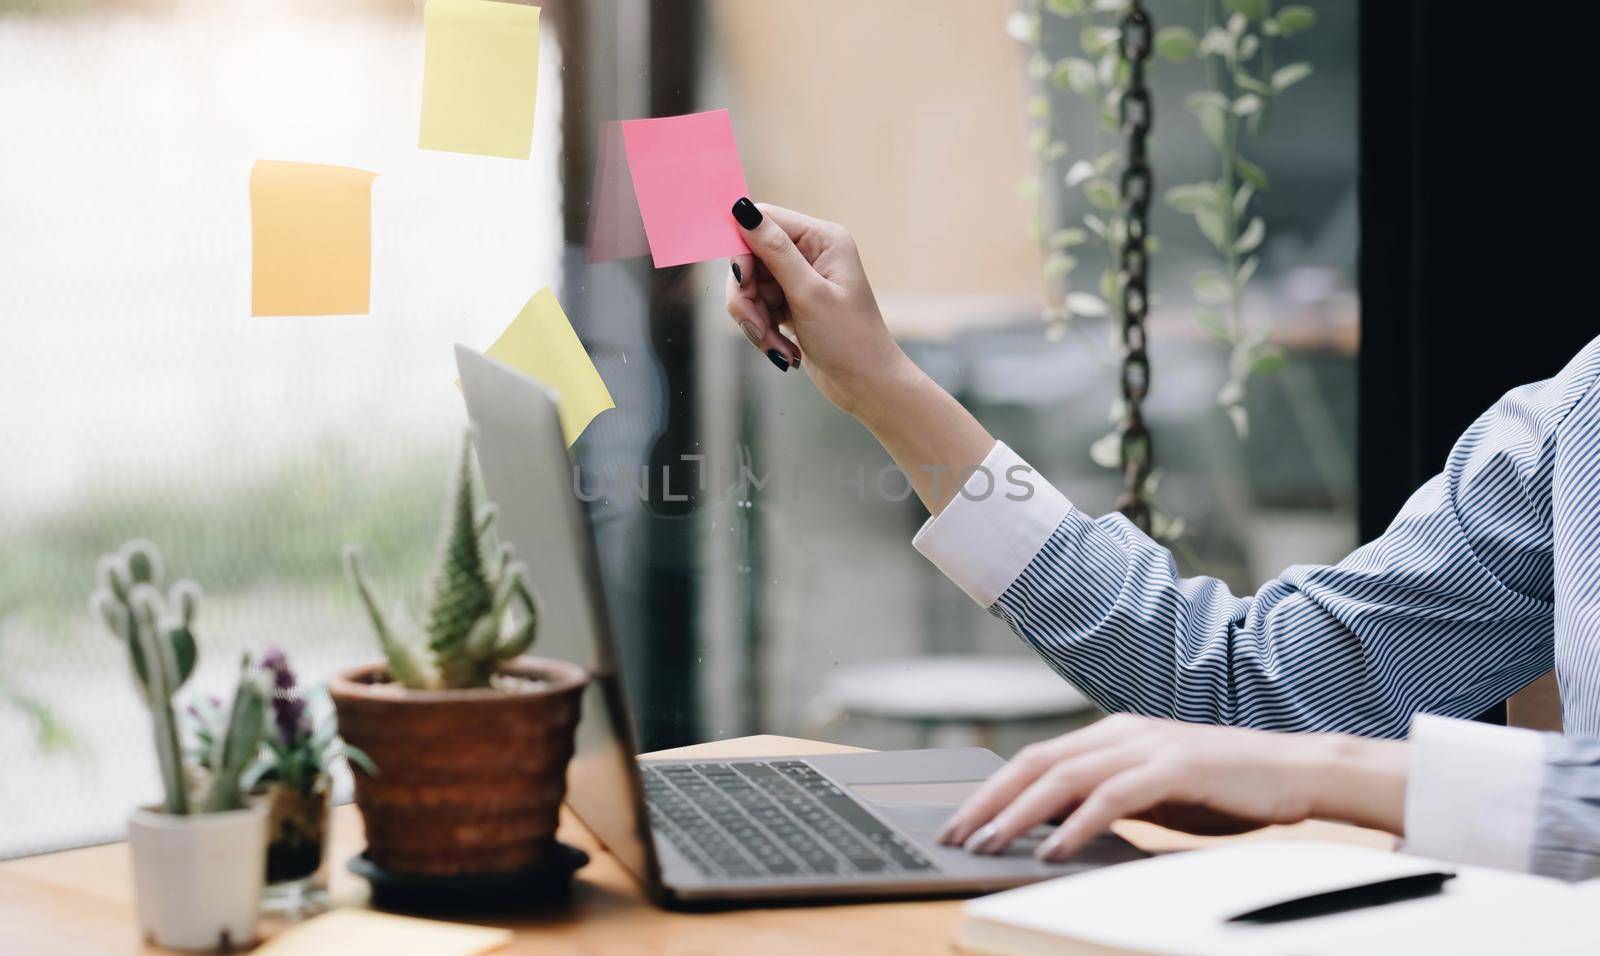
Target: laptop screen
<point x="528" y="475"/>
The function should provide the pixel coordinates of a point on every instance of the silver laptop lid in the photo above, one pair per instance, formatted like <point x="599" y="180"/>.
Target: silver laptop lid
<point x="528" y="475"/>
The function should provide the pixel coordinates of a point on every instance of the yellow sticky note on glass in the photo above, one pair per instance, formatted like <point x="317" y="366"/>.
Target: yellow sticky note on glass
<point x="347" y="931"/>
<point x="541" y="343"/>
<point x="480" y="76"/>
<point x="311" y="234"/>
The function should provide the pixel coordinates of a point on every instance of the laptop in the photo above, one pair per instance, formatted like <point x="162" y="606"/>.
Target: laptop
<point x="696" y="832"/>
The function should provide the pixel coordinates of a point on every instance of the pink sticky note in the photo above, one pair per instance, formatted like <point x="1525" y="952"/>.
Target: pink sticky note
<point x="615" y="229"/>
<point x="687" y="175"/>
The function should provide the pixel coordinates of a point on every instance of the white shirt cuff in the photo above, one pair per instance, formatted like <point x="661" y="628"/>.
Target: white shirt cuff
<point x="987" y="534"/>
<point x="1472" y="796"/>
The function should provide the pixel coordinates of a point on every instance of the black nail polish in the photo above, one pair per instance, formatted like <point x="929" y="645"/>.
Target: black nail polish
<point x="737" y="275"/>
<point x="778" y="359"/>
<point x="746" y="212"/>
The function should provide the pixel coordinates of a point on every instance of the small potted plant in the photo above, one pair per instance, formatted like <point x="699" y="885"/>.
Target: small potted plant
<point x="301" y="748"/>
<point x="472" y="738"/>
<point x="199" y="857"/>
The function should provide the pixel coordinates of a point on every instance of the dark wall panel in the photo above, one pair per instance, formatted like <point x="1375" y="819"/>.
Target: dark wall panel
<point x="1476" y="263"/>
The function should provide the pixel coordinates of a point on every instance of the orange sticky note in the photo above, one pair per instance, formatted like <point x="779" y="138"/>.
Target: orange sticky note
<point x="311" y="230"/>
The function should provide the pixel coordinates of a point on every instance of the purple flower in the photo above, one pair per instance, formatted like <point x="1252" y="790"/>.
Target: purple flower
<point x="288" y="708"/>
<point x="276" y="661"/>
<point x="289" y="713"/>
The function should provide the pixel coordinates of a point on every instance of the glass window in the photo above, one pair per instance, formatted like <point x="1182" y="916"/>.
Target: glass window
<point x="755" y="545"/>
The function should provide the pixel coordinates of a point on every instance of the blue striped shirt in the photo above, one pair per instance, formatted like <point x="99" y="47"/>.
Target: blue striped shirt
<point x="1488" y="577"/>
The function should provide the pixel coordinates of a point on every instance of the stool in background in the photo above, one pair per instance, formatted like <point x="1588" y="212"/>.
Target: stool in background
<point x="962" y="696"/>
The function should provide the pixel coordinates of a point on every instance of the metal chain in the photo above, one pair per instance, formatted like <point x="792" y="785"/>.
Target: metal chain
<point x="1135" y="115"/>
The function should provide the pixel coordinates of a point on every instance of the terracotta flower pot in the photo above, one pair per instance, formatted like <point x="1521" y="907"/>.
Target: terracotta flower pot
<point x="469" y="781"/>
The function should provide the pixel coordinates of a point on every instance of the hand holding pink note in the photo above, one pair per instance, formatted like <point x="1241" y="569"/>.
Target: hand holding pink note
<point x="687" y="175"/>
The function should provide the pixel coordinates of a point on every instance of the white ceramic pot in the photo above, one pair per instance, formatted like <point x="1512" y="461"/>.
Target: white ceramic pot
<point x="198" y="878"/>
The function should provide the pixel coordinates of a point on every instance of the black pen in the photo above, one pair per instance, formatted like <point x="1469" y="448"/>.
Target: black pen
<point x="1411" y="887"/>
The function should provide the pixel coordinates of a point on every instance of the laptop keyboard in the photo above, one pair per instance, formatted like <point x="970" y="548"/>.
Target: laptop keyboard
<point x="779" y="818"/>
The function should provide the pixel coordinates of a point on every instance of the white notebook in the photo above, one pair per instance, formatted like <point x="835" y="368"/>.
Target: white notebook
<point x="1179" y="904"/>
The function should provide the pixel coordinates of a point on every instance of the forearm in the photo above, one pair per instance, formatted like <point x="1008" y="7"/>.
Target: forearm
<point x="935" y="441"/>
<point x="1359" y="780"/>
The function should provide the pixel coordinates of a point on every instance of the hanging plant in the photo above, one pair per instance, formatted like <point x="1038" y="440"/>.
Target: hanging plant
<point x="1080" y="270"/>
<point x="1087" y="248"/>
<point x="1242" y="85"/>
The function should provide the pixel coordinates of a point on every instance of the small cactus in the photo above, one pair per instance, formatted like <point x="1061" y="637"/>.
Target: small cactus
<point x="158" y="629"/>
<point x="161" y="646"/>
<point x="471" y="628"/>
<point x="236" y="748"/>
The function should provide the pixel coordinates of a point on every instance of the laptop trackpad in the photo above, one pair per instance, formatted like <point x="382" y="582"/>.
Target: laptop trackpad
<point x="947" y="793"/>
<point x="917" y="789"/>
<point x="918" y="808"/>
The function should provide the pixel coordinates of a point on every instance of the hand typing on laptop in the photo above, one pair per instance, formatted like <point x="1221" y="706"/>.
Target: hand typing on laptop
<point x="1191" y="777"/>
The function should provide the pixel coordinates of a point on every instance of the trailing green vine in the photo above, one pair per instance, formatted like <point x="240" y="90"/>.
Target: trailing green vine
<point x="1236" y="46"/>
<point x="1095" y="77"/>
<point x="1241" y="86"/>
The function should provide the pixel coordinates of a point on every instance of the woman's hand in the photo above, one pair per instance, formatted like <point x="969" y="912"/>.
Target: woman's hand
<point x="1191" y="777"/>
<point x="806" y="276"/>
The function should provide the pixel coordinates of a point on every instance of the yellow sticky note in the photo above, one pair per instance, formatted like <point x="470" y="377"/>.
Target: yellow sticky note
<point x="480" y="76"/>
<point x="311" y="232"/>
<point x="540" y="342"/>
<point x="347" y="931"/>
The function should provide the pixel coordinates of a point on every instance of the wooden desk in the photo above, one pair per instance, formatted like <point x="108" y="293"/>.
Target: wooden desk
<point x="81" y="901"/>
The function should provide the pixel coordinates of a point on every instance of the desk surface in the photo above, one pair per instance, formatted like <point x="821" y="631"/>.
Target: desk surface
<point x="81" y="901"/>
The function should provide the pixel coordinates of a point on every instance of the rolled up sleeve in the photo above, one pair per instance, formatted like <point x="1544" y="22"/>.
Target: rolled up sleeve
<point x="1447" y="612"/>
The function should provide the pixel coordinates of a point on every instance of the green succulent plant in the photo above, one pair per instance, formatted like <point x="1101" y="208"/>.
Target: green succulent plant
<point x="472" y="623"/>
<point x="158" y="629"/>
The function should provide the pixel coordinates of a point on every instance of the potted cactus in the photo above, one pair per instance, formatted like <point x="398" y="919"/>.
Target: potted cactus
<point x="471" y="737"/>
<point x="200" y="856"/>
<point x="294" y="775"/>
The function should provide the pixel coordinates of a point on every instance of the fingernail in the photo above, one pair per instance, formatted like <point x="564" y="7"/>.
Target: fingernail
<point x="947" y="833"/>
<point x="1048" y="849"/>
<point x="777" y="358"/>
<point x="752" y="333"/>
<point x="738" y="276"/>
<point x="981" y="841"/>
<point x="746" y="212"/>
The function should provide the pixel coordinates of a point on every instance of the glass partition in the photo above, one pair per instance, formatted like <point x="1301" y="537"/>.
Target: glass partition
<point x="755" y="545"/>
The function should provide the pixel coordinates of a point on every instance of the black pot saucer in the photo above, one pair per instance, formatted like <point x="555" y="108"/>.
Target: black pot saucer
<point x="404" y="892"/>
